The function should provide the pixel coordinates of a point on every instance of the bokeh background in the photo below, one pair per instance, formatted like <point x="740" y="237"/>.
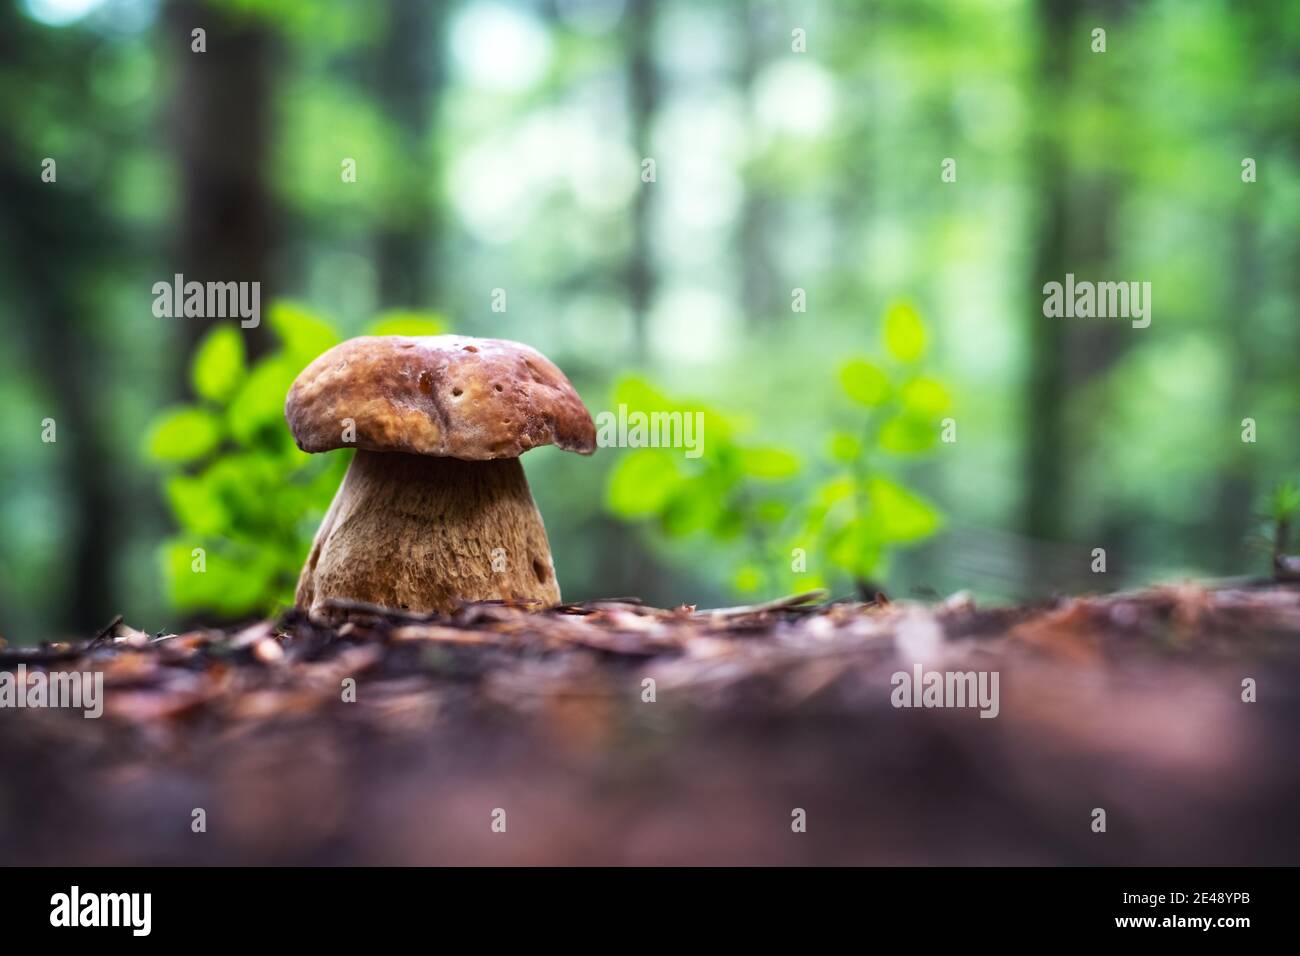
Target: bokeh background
<point x="500" y="145"/>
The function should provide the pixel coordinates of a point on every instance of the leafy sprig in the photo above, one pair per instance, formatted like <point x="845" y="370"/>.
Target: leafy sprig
<point x="781" y="527"/>
<point x="245" y="500"/>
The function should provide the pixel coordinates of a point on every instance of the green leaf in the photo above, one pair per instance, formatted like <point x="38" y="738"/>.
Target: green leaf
<point x="258" y="405"/>
<point x="252" y="486"/>
<point x="197" y="504"/>
<point x="233" y="578"/>
<point x="905" y="434"/>
<point x="1285" y="501"/>
<point x="183" y="434"/>
<point x="845" y="447"/>
<point x="218" y="364"/>
<point x="856" y="548"/>
<point x="809" y="582"/>
<point x="865" y="383"/>
<point x="747" y="579"/>
<point x="897" y="514"/>
<point x="905" y="336"/>
<point x="304" y="335"/>
<point x="641" y="483"/>
<point x="407" y="323"/>
<point x="830" y="496"/>
<point x="691" y="508"/>
<point x="725" y="524"/>
<point x="925" y="397"/>
<point x="772" y="511"/>
<point x="835" y="490"/>
<point x="770" y="463"/>
<point x="639" y="395"/>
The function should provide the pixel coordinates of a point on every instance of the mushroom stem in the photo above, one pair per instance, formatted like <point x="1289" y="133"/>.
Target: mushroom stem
<point x="420" y="533"/>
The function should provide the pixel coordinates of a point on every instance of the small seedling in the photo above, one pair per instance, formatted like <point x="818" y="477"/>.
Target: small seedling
<point x="1283" y="509"/>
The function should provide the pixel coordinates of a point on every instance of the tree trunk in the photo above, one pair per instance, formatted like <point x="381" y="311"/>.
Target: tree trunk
<point x="221" y="124"/>
<point x="643" y="93"/>
<point x="1044" y="401"/>
<point x="410" y="79"/>
<point x="56" y="243"/>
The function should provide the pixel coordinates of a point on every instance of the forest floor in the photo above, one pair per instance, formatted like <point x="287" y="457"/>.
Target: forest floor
<point x="400" y="740"/>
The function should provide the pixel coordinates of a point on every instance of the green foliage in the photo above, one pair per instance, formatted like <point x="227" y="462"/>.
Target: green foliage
<point x="905" y="335"/>
<point x="865" y="383"/>
<point x="711" y="494"/>
<point x="1281" y="509"/>
<point x="1284" y="502"/>
<point x="402" y="322"/>
<point x="782" y="528"/>
<point x="183" y="434"/>
<point x="218" y="364"/>
<point x="237" y="486"/>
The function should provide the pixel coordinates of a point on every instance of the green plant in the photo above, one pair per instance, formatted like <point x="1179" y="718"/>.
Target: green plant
<point x="245" y="500"/>
<point x="863" y="510"/>
<point x="839" y="525"/>
<point x="725" y="494"/>
<point x="1283" y="506"/>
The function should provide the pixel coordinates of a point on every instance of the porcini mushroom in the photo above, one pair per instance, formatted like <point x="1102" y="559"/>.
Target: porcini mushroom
<point x="435" y="509"/>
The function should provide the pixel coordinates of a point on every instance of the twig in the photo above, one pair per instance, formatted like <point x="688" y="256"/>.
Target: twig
<point x="104" y="631"/>
<point x="794" y="600"/>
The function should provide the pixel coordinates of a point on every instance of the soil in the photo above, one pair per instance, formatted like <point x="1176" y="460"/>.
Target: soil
<point x="612" y="732"/>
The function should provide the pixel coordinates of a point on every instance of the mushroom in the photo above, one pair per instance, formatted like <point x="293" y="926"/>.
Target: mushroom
<point x="435" y="509"/>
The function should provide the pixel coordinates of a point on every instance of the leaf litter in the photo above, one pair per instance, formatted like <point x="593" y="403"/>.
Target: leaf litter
<point x="615" y="732"/>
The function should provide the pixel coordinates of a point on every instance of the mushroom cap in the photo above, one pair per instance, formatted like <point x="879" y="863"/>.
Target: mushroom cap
<point x="447" y="395"/>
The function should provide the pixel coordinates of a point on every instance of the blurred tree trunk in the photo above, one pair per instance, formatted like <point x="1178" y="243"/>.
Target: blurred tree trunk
<point x="856" y="194"/>
<point x="643" y="101"/>
<point x="1258" y="364"/>
<point x="55" y="244"/>
<point x="221" y="124"/>
<point x="411" y="75"/>
<point x="633" y="568"/>
<point x="1045" y="474"/>
<point x="758" y="270"/>
<point x="1091" y="350"/>
<point x="1077" y="217"/>
<point x="1232" y="507"/>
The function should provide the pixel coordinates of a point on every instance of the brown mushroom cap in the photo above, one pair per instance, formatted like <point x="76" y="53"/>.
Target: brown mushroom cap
<point x="447" y="395"/>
